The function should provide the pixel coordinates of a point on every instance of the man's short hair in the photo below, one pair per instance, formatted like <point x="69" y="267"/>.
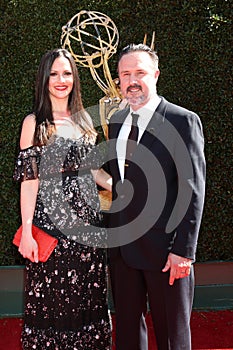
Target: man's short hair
<point x="140" y="48"/>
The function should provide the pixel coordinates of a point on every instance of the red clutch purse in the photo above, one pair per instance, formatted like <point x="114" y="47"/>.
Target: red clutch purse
<point x="46" y="243"/>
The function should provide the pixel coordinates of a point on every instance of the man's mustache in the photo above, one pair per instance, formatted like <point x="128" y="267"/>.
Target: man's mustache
<point x="134" y="86"/>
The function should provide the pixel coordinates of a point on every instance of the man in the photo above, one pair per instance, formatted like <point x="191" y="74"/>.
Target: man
<point x="158" y="196"/>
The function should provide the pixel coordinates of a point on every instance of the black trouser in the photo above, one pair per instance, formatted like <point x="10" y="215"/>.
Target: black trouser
<point x="170" y="307"/>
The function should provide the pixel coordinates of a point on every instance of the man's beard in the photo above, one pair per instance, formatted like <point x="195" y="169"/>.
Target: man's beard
<point x="136" y="100"/>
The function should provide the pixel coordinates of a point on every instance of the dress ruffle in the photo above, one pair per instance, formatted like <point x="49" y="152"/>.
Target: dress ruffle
<point x="27" y="164"/>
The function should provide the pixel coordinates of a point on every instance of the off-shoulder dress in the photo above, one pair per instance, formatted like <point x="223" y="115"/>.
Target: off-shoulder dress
<point x="66" y="297"/>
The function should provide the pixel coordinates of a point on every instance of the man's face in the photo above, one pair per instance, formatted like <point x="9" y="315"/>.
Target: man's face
<point x="138" y="77"/>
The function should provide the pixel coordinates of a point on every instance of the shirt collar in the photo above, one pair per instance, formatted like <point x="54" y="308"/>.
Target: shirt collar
<point x="149" y="107"/>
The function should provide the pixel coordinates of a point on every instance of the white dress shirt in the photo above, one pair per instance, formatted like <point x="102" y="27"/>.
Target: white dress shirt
<point x="145" y="115"/>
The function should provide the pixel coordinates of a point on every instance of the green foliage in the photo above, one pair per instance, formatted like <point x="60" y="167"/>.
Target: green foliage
<point x="193" y="39"/>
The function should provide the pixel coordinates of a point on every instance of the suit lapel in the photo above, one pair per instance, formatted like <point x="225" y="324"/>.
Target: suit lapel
<point x="148" y="137"/>
<point x="115" y="129"/>
<point x="154" y="126"/>
<point x="117" y="124"/>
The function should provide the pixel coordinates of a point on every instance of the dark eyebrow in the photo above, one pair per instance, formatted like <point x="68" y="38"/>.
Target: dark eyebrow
<point x="66" y="70"/>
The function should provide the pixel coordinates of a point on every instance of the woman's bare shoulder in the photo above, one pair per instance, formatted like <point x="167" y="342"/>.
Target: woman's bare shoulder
<point x="27" y="132"/>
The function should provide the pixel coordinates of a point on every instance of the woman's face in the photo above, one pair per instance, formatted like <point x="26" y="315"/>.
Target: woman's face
<point x="61" y="79"/>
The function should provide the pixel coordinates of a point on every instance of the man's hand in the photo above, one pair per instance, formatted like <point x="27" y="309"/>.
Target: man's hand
<point x="179" y="267"/>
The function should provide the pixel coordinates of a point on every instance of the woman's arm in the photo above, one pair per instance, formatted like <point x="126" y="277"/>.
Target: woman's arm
<point x="29" y="188"/>
<point x="103" y="179"/>
<point x="28" y="246"/>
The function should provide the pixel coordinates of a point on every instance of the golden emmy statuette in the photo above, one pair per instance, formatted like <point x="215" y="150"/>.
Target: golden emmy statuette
<point x="92" y="39"/>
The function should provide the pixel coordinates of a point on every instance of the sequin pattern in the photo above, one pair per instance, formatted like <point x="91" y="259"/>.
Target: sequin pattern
<point x="66" y="297"/>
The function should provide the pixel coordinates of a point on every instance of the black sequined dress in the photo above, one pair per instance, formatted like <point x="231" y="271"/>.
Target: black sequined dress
<point x="66" y="297"/>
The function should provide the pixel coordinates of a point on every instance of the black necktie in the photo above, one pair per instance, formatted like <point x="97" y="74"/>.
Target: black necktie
<point x="132" y="139"/>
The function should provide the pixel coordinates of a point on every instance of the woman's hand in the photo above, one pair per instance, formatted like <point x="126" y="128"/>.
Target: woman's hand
<point x="28" y="247"/>
<point x="103" y="179"/>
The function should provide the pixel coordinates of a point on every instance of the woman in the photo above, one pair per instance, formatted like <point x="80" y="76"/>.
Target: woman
<point x="66" y="296"/>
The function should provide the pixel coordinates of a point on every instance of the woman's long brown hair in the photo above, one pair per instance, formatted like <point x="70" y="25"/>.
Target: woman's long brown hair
<point x="45" y="126"/>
